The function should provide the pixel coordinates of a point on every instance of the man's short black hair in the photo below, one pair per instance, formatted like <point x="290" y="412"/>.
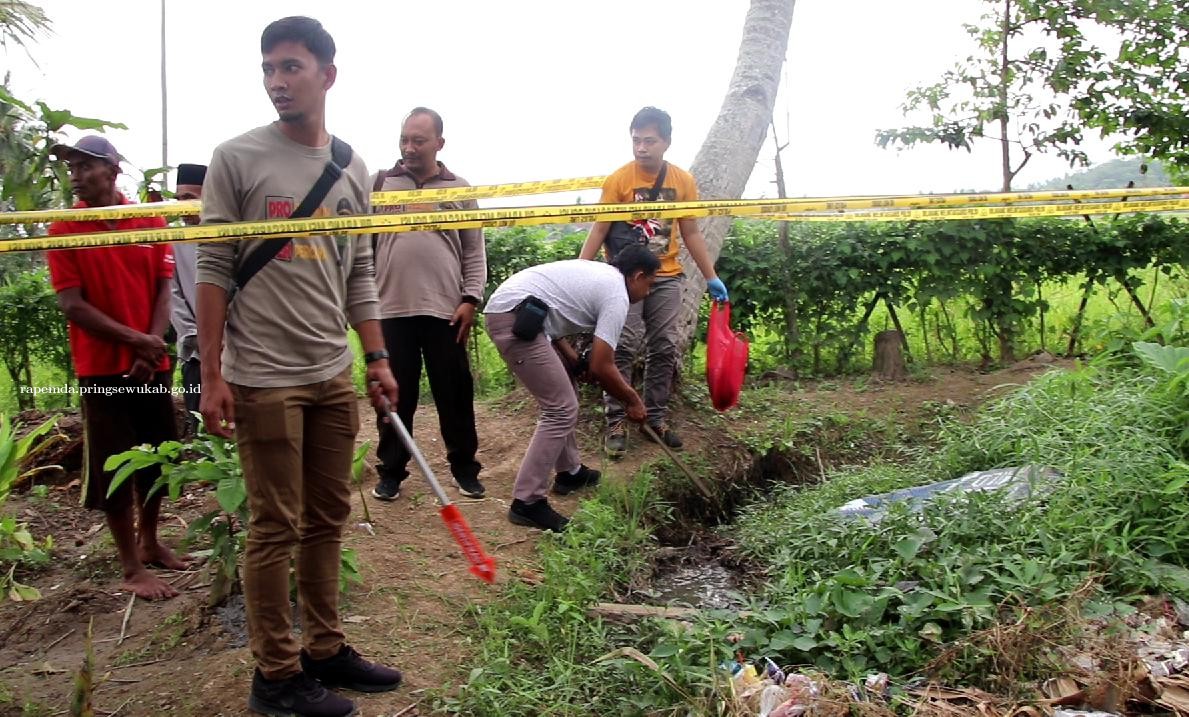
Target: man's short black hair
<point x="652" y="117"/>
<point x="306" y="30"/>
<point x="437" y="118"/>
<point x="635" y="257"/>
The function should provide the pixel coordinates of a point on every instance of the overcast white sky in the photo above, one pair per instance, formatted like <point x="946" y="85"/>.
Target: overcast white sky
<point x="529" y="89"/>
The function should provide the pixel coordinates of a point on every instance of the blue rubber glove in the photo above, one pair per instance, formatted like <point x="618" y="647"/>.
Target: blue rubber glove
<point x="717" y="289"/>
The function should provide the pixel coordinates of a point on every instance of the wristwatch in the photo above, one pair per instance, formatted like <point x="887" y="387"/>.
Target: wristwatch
<point x="371" y="356"/>
<point x="468" y="299"/>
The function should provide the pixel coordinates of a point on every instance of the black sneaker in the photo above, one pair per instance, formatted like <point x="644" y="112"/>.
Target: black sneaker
<point x="470" y="486"/>
<point x="567" y="483"/>
<point x="347" y="669"/>
<point x="387" y="489"/>
<point x="665" y="433"/>
<point x="297" y="696"/>
<point x="537" y="514"/>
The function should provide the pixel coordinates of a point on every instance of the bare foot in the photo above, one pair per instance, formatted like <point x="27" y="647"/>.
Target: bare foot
<point x="148" y="586"/>
<point x="160" y="556"/>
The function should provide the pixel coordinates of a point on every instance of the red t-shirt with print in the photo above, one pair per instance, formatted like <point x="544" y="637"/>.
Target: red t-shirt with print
<point x="120" y="281"/>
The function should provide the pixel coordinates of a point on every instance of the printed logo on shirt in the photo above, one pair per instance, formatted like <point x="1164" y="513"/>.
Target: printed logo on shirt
<point x="656" y="232"/>
<point x="279" y="207"/>
<point x="304" y="248"/>
<point x="308" y="252"/>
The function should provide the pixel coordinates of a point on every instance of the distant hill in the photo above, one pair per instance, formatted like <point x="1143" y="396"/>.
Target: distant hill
<point x="1114" y="174"/>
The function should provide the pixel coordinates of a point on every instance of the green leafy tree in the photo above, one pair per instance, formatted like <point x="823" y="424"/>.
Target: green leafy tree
<point x="1037" y="82"/>
<point x="29" y="178"/>
<point x="997" y="93"/>
<point x="30" y="323"/>
<point x="1137" y="94"/>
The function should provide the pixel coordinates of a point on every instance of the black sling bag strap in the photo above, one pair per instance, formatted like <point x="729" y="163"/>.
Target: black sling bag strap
<point x="623" y="234"/>
<point x="340" y="157"/>
<point x="655" y="192"/>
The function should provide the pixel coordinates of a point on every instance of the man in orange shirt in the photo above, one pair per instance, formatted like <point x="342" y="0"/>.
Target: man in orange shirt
<point x="653" y="322"/>
<point x="116" y="300"/>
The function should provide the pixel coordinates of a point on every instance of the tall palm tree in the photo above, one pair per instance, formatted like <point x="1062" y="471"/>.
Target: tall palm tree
<point x="728" y="154"/>
<point x="20" y="23"/>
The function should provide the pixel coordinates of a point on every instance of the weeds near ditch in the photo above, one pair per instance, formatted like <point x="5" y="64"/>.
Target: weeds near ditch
<point x="851" y="596"/>
<point x="977" y="588"/>
<point x="539" y="654"/>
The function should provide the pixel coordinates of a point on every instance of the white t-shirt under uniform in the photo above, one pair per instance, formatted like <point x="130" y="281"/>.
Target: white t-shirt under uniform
<point x="582" y="296"/>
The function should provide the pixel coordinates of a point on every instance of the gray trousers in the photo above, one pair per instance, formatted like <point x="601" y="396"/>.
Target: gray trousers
<point x="554" y="446"/>
<point x="651" y="326"/>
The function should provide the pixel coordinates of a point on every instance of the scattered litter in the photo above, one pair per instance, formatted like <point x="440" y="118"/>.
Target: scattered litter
<point x="1019" y="483"/>
<point x="877" y="685"/>
<point x="774" y="672"/>
<point x="367" y="528"/>
<point x="776" y="694"/>
<point x="1163" y="651"/>
<point x="1059" y="688"/>
<point x="745" y="678"/>
<point x="803" y="694"/>
<point x="772" y="697"/>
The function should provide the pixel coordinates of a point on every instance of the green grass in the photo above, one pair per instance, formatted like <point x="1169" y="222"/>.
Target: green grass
<point x="539" y="651"/>
<point x="1109" y="313"/>
<point x="846" y="597"/>
<point x="1117" y="519"/>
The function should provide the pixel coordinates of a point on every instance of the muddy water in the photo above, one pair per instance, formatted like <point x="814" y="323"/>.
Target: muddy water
<point x="707" y="586"/>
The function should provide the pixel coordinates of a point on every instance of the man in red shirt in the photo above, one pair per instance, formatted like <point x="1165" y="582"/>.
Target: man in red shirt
<point x="117" y="300"/>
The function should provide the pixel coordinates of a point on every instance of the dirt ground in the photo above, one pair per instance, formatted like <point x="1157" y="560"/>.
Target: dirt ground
<point x="411" y="611"/>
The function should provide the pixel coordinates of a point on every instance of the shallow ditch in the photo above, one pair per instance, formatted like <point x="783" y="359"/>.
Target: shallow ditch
<point x="742" y="478"/>
<point x="697" y="565"/>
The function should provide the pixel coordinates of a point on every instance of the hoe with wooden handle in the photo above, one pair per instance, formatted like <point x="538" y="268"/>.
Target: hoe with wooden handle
<point x="701" y="485"/>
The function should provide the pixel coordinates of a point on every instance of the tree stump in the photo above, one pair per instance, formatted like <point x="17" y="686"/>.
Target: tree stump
<point x="889" y="356"/>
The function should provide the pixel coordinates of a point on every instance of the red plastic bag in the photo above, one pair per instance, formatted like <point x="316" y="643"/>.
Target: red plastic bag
<point x="726" y="358"/>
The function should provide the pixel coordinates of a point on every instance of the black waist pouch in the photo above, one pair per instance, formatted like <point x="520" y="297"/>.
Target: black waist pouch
<point x="530" y="318"/>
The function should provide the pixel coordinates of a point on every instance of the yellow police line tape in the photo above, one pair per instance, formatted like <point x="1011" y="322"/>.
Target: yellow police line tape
<point x="487" y="191"/>
<point x="175" y="209"/>
<point x="1001" y="212"/>
<point x="378" y="199"/>
<point x="520" y="216"/>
